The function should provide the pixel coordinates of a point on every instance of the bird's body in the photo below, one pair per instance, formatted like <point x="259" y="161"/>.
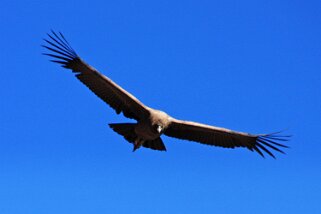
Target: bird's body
<point x="151" y="123"/>
<point x="146" y="131"/>
<point x="151" y="127"/>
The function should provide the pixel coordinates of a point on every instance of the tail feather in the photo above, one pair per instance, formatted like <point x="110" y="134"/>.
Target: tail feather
<point x="127" y="130"/>
<point x="156" y="144"/>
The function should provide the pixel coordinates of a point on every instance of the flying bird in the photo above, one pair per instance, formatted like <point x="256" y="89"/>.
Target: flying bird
<point x="152" y="123"/>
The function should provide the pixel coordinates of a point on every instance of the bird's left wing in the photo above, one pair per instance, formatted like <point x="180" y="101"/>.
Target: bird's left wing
<point x="222" y="137"/>
<point x="111" y="93"/>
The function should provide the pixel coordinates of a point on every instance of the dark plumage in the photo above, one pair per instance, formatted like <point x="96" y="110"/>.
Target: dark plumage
<point x="151" y="123"/>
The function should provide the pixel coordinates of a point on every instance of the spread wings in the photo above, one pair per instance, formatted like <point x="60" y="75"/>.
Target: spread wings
<point x="111" y="93"/>
<point x="216" y="136"/>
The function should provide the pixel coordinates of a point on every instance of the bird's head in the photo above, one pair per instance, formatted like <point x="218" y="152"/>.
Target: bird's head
<point x="159" y="128"/>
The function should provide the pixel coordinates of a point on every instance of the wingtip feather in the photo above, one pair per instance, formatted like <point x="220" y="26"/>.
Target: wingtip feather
<point x="59" y="49"/>
<point x="270" y="141"/>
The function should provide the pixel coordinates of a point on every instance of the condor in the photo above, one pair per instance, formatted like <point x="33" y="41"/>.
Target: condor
<point x="151" y="123"/>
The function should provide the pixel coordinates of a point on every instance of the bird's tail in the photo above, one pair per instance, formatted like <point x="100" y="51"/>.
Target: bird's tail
<point x="127" y="130"/>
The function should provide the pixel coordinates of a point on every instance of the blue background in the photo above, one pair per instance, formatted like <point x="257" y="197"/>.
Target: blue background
<point x="251" y="66"/>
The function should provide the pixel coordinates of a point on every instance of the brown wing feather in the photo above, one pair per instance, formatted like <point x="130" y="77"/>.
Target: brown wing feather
<point x="111" y="93"/>
<point x="216" y="136"/>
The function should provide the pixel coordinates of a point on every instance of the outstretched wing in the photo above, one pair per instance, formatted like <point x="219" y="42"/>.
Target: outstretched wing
<point x="111" y="93"/>
<point x="216" y="136"/>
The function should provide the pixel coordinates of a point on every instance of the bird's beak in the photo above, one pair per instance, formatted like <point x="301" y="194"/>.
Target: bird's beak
<point x="159" y="129"/>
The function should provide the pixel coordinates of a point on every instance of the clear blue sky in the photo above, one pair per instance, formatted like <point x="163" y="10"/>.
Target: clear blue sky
<point x="252" y="66"/>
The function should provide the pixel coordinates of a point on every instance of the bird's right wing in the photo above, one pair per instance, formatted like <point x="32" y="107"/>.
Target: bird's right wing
<point x="111" y="93"/>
